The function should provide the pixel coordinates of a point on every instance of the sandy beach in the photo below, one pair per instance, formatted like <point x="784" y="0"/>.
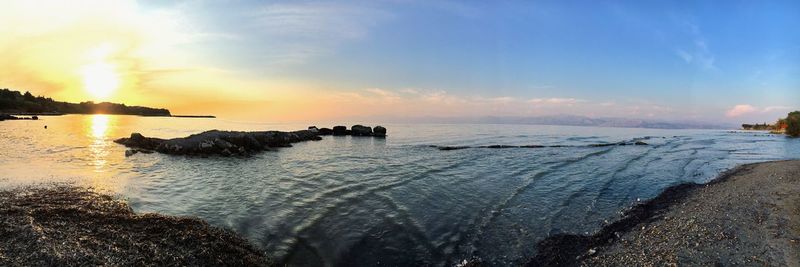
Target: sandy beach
<point x="68" y="226"/>
<point x="748" y="216"/>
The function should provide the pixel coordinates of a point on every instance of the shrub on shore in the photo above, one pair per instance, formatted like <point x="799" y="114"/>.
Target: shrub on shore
<point x="793" y="124"/>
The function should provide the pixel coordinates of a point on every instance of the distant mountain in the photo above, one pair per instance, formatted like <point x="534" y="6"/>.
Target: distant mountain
<point x="572" y="120"/>
<point x="14" y="102"/>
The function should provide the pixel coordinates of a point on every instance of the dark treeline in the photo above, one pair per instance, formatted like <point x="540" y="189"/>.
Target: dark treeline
<point x="789" y="125"/>
<point x="14" y="102"/>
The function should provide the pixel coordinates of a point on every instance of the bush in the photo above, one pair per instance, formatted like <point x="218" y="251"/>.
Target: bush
<point x="793" y="124"/>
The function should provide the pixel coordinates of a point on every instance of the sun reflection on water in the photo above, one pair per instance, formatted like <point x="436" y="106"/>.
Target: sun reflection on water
<point x="98" y="128"/>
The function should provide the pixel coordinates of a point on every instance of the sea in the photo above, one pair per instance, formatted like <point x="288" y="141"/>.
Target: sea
<point x="394" y="201"/>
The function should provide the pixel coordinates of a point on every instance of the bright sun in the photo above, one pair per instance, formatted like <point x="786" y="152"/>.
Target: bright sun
<point x="100" y="80"/>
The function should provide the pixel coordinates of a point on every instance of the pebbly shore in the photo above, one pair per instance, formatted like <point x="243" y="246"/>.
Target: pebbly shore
<point x="747" y="216"/>
<point x="69" y="226"/>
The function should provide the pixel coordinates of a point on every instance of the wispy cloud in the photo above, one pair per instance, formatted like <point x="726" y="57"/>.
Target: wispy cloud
<point x="295" y="32"/>
<point x="746" y="109"/>
<point x="556" y="101"/>
<point x="697" y="52"/>
<point x="740" y="110"/>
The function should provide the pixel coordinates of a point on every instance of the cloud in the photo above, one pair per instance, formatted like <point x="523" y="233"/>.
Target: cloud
<point x="745" y="109"/>
<point x="777" y="108"/>
<point x="698" y="53"/>
<point x="296" y="32"/>
<point x="740" y="110"/>
<point x="684" y="55"/>
<point x="555" y="101"/>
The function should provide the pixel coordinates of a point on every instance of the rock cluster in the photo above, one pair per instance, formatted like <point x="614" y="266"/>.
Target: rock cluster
<point x="10" y="117"/>
<point x="355" y="130"/>
<point x="224" y="143"/>
<point x="230" y="143"/>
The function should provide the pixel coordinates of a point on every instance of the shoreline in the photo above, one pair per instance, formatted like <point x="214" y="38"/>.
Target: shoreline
<point x="67" y="225"/>
<point x="727" y="221"/>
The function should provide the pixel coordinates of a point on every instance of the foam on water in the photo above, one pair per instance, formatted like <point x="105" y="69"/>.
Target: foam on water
<point x="394" y="201"/>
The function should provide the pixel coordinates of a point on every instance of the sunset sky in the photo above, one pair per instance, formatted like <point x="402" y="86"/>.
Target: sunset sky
<point x="299" y="60"/>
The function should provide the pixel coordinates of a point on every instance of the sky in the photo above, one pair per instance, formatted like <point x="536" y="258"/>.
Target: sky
<point x="280" y="61"/>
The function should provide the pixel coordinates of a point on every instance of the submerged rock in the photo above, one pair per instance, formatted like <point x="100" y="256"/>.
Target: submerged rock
<point x="225" y="143"/>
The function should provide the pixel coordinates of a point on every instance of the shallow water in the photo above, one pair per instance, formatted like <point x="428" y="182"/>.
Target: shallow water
<point x="393" y="201"/>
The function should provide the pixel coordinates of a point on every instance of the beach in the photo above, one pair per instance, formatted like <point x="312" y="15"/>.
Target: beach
<point x="70" y="226"/>
<point x="748" y="216"/>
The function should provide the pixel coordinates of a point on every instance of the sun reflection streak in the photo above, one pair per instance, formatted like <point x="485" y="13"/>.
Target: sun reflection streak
<point x="98" y="130"/>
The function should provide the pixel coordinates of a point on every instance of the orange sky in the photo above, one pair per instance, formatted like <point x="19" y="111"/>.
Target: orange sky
<point x="160" y="54"/>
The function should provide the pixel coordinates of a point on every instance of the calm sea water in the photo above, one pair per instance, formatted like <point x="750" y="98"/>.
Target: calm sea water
<point x="393" y="201"/>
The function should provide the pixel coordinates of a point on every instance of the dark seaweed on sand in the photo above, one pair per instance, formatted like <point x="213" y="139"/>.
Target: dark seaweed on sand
<point x="68" y="226"/>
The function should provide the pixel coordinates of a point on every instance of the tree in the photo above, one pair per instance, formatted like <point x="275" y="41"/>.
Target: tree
<point x="793" y="124"/>
<point x="28" y="96"/>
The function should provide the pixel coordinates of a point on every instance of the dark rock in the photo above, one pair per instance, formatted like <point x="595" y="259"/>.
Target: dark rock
<point x="501" y="146"/>
<point x="640" y="143"/>
<point x="379" y="131"/>
<point x="8" y="117"/>
<point x="215" y="142"/>
<point x="448" y="148"/>
<point x="325" y="131"/>
<point x="602" y="145"/>
<point x="339" y="130"/>
<point x="35" y="118"/>
<point x="361" y="130"/>
<point x="313" y="129"/>
<point x="532" y="146"/>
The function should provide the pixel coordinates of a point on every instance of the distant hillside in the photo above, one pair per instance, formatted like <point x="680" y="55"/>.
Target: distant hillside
<point x="571" y="120"/>
<point x="14" y="102"/>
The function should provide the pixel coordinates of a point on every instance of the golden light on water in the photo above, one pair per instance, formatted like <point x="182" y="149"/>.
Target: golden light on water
<point x="99" y="126"/>
<point x="99" y="130"/>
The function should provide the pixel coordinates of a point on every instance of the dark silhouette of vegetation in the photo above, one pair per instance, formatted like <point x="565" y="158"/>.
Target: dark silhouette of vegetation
<point x="14" y="102"/>
<point x="793" y="124"/>
<point x="758" y="127"/>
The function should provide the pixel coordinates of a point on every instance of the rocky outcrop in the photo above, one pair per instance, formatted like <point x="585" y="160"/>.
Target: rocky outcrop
<point x="339" y="130"/>
<point x="224" y="143"/>
<point x="379" y="131"/>
<point x="227" y="143"/>
<point x="4" y="117"/>
<point x="361" y="130"/>
<point x="325" y="131"/>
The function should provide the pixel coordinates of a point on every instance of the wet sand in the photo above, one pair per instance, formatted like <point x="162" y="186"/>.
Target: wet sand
<point x="68" y="226"/>
<point x="748" y="216"/>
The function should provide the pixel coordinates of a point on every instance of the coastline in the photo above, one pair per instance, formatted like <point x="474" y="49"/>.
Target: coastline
<point x="749" y="215"/>
<point x="65" y="226"/>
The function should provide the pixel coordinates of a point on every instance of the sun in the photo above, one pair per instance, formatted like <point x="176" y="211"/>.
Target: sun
<point x="100" y="80"/>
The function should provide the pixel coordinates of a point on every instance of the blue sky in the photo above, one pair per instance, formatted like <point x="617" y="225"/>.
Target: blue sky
<point x="676" y="60"/>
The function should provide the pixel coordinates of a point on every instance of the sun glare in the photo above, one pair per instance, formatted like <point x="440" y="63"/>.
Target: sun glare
<point x="100" y="80"/>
